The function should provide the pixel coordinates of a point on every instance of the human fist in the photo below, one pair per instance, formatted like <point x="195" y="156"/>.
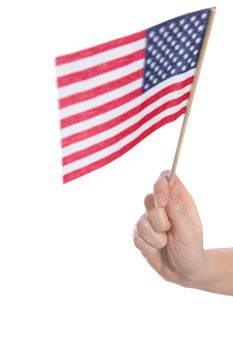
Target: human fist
<point x="169" y="234"/>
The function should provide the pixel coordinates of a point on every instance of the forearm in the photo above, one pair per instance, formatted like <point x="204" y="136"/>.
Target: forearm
<point x="217" y="274"/>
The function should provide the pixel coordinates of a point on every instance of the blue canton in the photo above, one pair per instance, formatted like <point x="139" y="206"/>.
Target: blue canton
<point x="173" y="47"/>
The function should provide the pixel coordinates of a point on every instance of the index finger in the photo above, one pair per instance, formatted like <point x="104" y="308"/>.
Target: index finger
<point x="157" y="216"/>
<point x="149" y="202"/>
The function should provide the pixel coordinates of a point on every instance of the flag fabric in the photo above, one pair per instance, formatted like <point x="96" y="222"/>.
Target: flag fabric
<point x="113" y="95"/>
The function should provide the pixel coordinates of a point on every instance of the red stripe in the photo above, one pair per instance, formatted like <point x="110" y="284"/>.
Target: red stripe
<point x="111" y="123"/>
<point x="99" y="90"/>
<point x="100" y="48"/>
<point x="100" y="163"/>
<point x="100" y="69"/>
<point x="94" y="112"/>
<point x="114" y="139"/>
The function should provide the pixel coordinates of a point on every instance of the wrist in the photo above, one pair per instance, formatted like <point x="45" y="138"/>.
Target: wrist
<point x="217" y="275"/>
<point x="201" y="275"/>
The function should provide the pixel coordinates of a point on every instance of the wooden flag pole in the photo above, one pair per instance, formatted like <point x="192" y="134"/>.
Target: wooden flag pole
<point x="196" y="77"/>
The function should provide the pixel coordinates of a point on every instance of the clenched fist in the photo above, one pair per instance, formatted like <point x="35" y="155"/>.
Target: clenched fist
<point x="169" y="234"/>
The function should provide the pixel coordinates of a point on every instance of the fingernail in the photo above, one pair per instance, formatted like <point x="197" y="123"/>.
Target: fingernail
<point x="160" y="200"/>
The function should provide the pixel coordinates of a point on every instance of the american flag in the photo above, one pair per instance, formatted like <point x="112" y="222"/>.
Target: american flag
<point x="113" y="95"/>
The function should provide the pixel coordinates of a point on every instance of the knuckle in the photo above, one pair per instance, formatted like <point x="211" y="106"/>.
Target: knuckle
<point x="137" y="241"/>
<point x="142" y="225"/>
<point x="165" y="173"/>
<point x="162" y="240"/>
<point x="155" y="187"/>
<point x="149" y="201"/>
<point x="161" y="181"/>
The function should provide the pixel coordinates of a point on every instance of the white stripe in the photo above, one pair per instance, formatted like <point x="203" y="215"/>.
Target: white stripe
<point x="100" y="100"/>
<point x="101" y="119"/>
<point x="122" y="109"/>
<point x="105" y="135"/>
<point x="92" y="61"/>
<point x="117" y="146"/>
<point x="100" y="79"/>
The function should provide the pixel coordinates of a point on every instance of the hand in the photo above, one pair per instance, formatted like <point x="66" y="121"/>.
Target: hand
<point x="169" y="234"/>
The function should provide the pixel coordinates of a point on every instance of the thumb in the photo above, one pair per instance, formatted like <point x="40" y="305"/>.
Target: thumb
<point x="180" y="207"/>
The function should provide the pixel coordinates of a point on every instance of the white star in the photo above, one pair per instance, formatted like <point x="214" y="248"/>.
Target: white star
<point x="182" y="21"/>
<point x="186" y="26"/>
<point x="155" y="81"/>
<point x="193" y="64"/>
<point x="181" y="51"/>
<point x="147" y="74"/>
<point x="161" y="30"/>
<point x="152" y="65"/>
<point x="195" y="52"/>
<point x="151" y="35"/>
<point x="179" y="35"/>
<point x="183" y="39"/>
<point x="169" y="39"/>
<point x="158" y="56"/>
<point x="173" y="71"/>
<point x="198" y="40"/>
<point x="156" y="69"/>
<point x="151" y="77"/>
<point x="184" y="68"/>
<point x="162" y="60"/>
<point x="165" y="64"/>
<point x="188" y="43"/>
<point x="177" y="47"/>
<point x="197" y="23"/>
<point x="160" y="43"/>
<point x="175" y="30"/>
<point x="204" y="15"/>
<point x="146" y="86"/>
<point x="193" y="18"/>
<point x="167" y="51"/>
<point x="164" y="76"/>
<point x="194" y="35"/>
<point x="173" y="43"/>
<point x="154" y="52"/>
<point x="186" y="56"/>
<point x="169" y="67"/>
<point x="165" y="35"/>
<point x="201" y="28"/>
<point x="150" y="48"/>
<point x="179" y="64"/>
<point x="190" y="31"/>
<point x="172" y="25"/>
<point x="155" y="39"/>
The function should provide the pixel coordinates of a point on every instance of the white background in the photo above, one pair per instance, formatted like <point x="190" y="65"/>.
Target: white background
<point x="70" y="277"/>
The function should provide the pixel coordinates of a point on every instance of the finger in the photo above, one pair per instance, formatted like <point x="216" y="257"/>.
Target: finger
<point x="180" y="209"/>
<point x="181" y="206"/>
<point x="144" y="247"/>
<point x="159" y="220"/>
<point x="144" y="229"/>
<point x="152" y="255"/>
<point x="157" y="216"/>
<point x="149" y="202"/>
<point x="161" y="191"/>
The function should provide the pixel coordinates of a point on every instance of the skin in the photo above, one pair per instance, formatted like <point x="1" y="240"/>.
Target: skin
<point x="170" y="237"/>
